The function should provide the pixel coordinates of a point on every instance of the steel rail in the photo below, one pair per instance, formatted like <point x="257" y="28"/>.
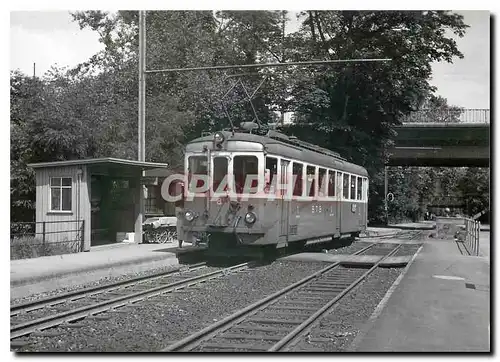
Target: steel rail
<point x="86" y="292"/>
<point x="29" y="327"/>
<point x="197" y="338"/>
<point x="297" y="333"/>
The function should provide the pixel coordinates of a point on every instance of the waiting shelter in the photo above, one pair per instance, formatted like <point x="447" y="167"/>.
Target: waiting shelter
<point x="97" y="201"/>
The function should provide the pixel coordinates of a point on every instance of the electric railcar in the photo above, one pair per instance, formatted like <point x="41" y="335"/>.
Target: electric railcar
<point x="249" y="192"/>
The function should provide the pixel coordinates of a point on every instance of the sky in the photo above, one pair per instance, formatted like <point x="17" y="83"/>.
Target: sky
<point x="50" y="38"/>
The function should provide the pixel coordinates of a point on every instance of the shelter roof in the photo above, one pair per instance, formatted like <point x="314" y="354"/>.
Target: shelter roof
<point x="108" y="161"/>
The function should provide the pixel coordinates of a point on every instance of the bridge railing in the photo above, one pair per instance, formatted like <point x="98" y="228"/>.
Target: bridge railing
<point x="449" y="116"/>
<point x="471" y="237"/>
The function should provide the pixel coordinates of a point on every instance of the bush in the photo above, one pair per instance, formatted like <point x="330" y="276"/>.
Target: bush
<point x="28" y="246"/>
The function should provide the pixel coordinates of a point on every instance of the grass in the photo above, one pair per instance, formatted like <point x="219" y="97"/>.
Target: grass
<point x="28" y="246"/>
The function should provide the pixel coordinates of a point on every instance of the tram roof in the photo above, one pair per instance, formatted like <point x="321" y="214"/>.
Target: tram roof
<point x="289" y="150"/>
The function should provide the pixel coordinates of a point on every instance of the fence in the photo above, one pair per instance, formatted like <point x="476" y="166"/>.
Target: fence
<point x="34" y="239"/>
<point x="449" y="116"/>
<point x="471" y="236"/>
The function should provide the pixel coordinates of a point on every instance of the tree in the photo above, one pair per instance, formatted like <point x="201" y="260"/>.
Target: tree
<point x="178" y="39"/>
<point x="352" y="108"/>
<point x="371" y="98"/>
<point x="435" y="109"/>
<point x="91" y="110"/>
<point x="475" y="188"/>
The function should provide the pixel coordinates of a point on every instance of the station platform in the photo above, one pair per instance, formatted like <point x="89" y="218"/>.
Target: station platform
<point x="365" y="260"/>
<point x="441" y="304"/>
<point x="393" y="229"/>
<point x="378" y="231"/>
<point x="422" y="225"/>
<point x="43" y="274"/>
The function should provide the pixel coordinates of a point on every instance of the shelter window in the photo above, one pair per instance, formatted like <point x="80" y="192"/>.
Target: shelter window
<point x="322" y="182"/>
<point x="272" y="166"/>
<point x="151" y="204"/>
<point x="346" y="186"/>
<point x="60" y="193"/>
<point x="331" y="183"/>
<point x="246" y="174"/>
<point x="353" y="187"/>
<point x="198" y="167"/>
<point x="297" y="170"/>
<point x="220" y="173"/>
<point x="311" y="178"/>
<point x="359" y="193"/>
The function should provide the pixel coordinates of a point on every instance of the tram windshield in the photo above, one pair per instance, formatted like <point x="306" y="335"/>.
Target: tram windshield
<point x="246" y="173"/>
<point x="219" y="174"/>
<point x="197" y="172"/>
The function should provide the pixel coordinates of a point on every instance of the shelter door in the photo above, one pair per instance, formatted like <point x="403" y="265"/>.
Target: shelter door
<point x="284" y="199"/>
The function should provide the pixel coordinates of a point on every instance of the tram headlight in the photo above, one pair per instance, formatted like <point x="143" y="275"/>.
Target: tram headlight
<point x="189" y="215"/>
<point x="218" y="137"/>
<point x="250" y="218"/>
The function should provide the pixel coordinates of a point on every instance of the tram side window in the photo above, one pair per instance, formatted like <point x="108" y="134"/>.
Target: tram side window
<point x="346" y="186"/>
<point x="365" y="189"/>
<point x="338" y="184"/>
<point x="272" y="166"/>
<point x="353" y="187"/>
<point x="359" y="193"/>
<point x="297" y="169"/>
<point x="246" y="173"/>
<point x="322" y="182"/>
<point x="331" y="183"/>
<point x="197" y="167"/>
<point x="219" y="173"/>
<point x="311" y="178"/>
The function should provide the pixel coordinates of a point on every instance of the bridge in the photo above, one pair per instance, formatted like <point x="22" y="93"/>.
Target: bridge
<point x="443" y="138"/>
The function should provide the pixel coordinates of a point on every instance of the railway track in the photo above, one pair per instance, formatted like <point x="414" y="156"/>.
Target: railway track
<point x="58" y="299"/>
<point x="276" y="322"/>
<point x="109" y="298"/>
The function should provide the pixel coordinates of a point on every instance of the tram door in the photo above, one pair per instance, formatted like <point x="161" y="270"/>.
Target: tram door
<point x="284" y="200"/>
<point x="339" y="190"/>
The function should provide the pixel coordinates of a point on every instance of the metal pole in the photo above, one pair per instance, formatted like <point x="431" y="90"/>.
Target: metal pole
<point x="142" y="85"/>
<point x="141" y="147"/>
<point x="386" y="191"/>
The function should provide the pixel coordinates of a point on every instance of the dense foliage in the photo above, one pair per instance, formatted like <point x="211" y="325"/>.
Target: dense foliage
<point x="464" y="190"/>
<point x="91" y="110"/>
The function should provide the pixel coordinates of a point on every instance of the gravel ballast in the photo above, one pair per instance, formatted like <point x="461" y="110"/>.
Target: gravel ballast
<point x="152" y="325"/>
<point x="101" y="281"/>
<point x="92" y="278"/>
<point x="104" y="296"/>
<point x="408" y="249"/>
<point x="336" y="331"/>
